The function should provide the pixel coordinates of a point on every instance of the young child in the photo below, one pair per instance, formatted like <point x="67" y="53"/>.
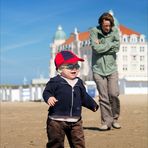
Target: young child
<point x="65" y="94"/>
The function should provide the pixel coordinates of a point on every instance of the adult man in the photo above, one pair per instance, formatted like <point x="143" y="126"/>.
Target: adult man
<point x="105" y="44"/>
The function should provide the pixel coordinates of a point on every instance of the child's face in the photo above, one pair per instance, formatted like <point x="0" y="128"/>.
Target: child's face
<point x="70" y="71"/>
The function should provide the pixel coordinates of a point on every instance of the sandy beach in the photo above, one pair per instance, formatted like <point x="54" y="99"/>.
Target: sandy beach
<point x="23" y="125"/>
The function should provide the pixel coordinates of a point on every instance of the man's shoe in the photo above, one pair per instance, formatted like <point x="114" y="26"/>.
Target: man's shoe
<point x="116" y="125"/>
<point x="104" y="128"/>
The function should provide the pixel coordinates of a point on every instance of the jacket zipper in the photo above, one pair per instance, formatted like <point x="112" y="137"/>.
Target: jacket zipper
<point x="71" y="98"/>
<point x="71" y="103"/>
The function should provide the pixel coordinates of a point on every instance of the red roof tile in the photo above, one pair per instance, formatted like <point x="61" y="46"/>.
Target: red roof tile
<point x="83" y="36"/>
<point x="127" y="31"/>
<point x="69" y="40"/>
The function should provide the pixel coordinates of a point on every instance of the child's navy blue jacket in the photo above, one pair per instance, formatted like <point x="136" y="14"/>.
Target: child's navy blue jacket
<point x="70" y="100"/>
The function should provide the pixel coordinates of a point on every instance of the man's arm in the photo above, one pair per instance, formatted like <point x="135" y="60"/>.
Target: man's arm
<point x="100" y="46"/>
<point x="116" y="42"/>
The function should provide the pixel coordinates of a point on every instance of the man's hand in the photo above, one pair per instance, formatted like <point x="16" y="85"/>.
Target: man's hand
<point x="97" y="41"/>
<point x="51" y="101"/>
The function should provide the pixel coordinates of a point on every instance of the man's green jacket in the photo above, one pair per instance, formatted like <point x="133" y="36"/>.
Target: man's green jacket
<point x="104" y="52"/>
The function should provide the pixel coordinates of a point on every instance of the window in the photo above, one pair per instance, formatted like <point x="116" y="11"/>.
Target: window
<point x="142" y="68"/>
<point x="141" y="49"/>
<point x="133" y="38"/>
<point x="133" y="49"/>
<point x="124" y="49"/>
<point x="125" y="39"/>
<point x="142" y="38"/>
<point x="134" y="58"/>
<point x="124" y="67"/>
<point x="141" y="58"/>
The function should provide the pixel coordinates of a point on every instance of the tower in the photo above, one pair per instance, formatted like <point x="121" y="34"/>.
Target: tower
<point x="115" y="20"/>
<point x="59" y="38"/>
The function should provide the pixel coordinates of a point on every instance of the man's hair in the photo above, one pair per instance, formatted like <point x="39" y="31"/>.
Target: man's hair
<point x="106" y="16"/>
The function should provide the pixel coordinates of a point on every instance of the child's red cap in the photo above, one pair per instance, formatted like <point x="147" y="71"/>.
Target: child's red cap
<point x="66" y="57"/>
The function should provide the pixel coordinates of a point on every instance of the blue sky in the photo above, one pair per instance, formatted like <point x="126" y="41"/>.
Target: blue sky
<point x="27" y="28"/>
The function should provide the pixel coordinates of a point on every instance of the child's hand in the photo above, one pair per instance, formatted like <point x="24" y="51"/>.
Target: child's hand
<point x="96" y="108"/>
<point x="51" y="101"/>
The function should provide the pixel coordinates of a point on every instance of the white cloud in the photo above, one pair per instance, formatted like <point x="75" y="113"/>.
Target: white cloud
<point x="18" y="45"/>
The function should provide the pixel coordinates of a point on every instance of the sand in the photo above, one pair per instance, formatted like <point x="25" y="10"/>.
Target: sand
<point x="22" y="125"/>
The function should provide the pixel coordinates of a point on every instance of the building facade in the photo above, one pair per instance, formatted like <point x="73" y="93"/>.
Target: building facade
<point x="131" y="58"/>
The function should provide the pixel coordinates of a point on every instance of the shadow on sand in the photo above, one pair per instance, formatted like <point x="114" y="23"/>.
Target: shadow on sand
<point x="92" y="128"/>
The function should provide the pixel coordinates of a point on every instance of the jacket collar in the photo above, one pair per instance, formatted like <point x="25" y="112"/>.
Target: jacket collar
<point x="59" y="79"/>
<point x="99" y="30"/>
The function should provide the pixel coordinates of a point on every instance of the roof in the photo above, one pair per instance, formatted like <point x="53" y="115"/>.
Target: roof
<point x="127" y="31"/>
<point x="60" y="34"/>
<point x="69" y="40"/>
<point x="85" y="35"/>
<point x="82" y="37"/>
